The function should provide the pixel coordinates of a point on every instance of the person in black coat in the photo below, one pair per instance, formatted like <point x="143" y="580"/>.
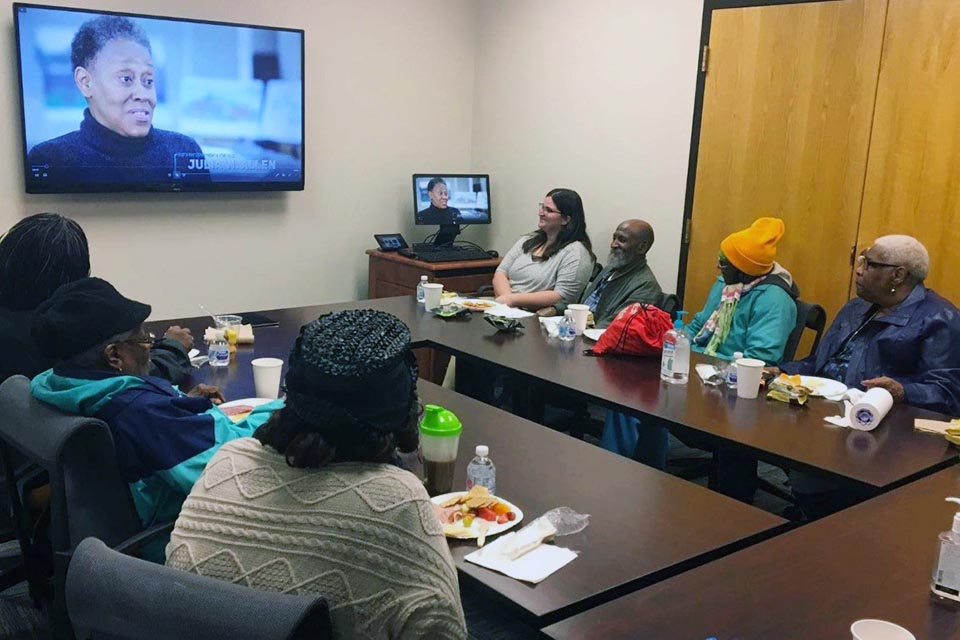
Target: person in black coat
<point x="37" y="255"/>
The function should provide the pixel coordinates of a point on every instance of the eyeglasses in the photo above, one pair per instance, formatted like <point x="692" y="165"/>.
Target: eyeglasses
<point x="143" y="338"/>
<point x="544" y="207"/>
<point x="867" y="263"/>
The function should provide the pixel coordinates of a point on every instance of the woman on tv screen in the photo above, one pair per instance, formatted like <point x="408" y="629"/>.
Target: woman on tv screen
<point x="113" y="70"/>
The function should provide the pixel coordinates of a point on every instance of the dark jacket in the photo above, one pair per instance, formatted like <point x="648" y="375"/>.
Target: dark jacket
<point x="436" y="215"/>
<point x="635" y="283"/>
<point x="163" y="438"/>
<point x="95" y="154"/>
<point x="19" y="354"/>
<point x="917" y="344"/>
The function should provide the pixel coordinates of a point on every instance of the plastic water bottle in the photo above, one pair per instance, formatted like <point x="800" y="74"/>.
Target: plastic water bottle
<point x="421" y="294"/>
<point x="731" y="372"/>
<point x="567" y="329"/>
<point x="675" y="363"/>
<point x="219" y="351"/>
<point x="481" y="471"/>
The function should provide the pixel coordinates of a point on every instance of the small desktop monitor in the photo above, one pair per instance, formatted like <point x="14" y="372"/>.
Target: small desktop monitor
<point x="451" y="200"/>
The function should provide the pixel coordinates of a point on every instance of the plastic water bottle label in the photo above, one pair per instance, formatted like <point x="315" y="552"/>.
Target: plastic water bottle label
<point x="666" y="364"/>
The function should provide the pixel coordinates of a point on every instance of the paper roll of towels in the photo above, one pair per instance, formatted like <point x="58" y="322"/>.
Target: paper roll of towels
<point x="866" y="414"/>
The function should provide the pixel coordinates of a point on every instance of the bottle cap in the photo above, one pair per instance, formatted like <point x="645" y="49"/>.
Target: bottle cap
<point x="482" y="450"/>
<point x="679" y="323"/>
<point x="423" y="278"/>
<point x="737" y="355"/>
<point x="956" y="517"/>
<point x="219" y="334"/>
<point x="439" y="422"/>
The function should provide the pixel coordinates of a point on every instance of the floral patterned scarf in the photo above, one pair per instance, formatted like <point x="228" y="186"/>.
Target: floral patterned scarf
<point x="715" y="330"/>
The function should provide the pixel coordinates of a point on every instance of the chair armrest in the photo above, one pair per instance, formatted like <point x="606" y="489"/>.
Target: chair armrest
<point x="131" y="545"/>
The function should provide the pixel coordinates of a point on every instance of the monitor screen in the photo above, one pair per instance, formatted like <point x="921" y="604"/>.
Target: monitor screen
<point x="442" y="198"/>
<point x="124" y="102"/>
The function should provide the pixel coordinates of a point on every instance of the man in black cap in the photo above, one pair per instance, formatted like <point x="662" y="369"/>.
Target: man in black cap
<point x="163" y="438"/>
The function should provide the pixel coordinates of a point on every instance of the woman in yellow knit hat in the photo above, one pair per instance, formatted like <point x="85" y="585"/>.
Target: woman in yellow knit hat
<point x="752" y="306"/>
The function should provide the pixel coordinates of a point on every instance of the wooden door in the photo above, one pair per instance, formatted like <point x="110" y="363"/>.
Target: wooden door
<point x="787" y="110"/>
<point x="913" y="175"/>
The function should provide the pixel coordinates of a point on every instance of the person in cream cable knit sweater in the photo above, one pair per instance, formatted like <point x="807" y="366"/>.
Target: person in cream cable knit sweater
<point x="312" y="503"/>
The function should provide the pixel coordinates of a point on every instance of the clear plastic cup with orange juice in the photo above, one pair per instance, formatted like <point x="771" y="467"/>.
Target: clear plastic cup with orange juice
<point x="231" y="329"/>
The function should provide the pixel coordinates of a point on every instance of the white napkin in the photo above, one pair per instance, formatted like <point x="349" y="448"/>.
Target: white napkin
<point x="244" y="334"/>
<point x="853" y="395"/>
<point x="508" y="312"/>
<point x="706" y="371"/>
<point x="552" y="325"/>
<point x="533" y="566"/>
<point x="932" y="426"/>
<point x="868" y="408"/>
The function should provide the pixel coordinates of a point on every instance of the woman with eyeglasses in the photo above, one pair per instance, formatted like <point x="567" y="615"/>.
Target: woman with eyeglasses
<point x="896" y="334"/>
<point x="163" y="438"/>
<point x="313" y="502"/>
<point x="552" y="264"/>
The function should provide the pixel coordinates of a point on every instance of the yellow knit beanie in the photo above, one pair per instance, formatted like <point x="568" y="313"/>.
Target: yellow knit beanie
<point x="754" y="249"/>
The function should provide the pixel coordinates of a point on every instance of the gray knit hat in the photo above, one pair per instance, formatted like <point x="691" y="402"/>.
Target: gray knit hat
<point x="354" y="364"/>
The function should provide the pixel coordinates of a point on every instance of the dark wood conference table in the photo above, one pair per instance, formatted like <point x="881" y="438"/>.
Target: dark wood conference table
<point x="871" y="462"/>
<point x="645" y="525"/>
<point x="873" y="560"/>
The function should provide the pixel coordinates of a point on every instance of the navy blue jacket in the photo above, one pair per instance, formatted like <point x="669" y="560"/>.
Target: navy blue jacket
<point x="917" y="344"/>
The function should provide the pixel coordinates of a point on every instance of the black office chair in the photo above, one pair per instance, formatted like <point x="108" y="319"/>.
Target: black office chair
<point x="809" y="316"/>
<point x="112" y="596"/>
<point x="87" y="494"/>
<point x="670" y="303"/>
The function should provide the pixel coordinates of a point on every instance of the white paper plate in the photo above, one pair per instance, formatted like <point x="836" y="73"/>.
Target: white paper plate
<point x="593" y="334"/>
<point x="823" y="387"/>
<point x="249" y="402"/>
<point x="459" y="531"/>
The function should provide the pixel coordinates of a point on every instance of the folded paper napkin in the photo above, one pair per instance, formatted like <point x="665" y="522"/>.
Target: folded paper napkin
<point x="849" y="398"/>
<point x="551" y="325"/>
<point x="708" y="373"/>
<point x="934" y="426"/>
<point x="522" y="555"/>
<point x="509" y="312"/>
<point x="244" y="334"/>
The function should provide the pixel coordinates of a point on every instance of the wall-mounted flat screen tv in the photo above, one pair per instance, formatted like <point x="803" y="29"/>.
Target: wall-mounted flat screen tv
<point x="124" y="102"/>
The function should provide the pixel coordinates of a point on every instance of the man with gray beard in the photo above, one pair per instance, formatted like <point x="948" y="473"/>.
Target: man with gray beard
<point x="627" y="278"/>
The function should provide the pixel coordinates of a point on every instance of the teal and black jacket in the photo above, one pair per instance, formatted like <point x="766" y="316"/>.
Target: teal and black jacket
<point x="162" y="437"/>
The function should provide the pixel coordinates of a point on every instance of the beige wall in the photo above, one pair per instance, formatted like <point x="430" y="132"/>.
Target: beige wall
<point x="595" y="96"/>
<point x="539" y="93"/>
<point x="389" y="91"/>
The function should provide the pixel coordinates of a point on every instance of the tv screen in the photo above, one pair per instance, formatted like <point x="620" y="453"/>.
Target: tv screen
<point x="443" y="198"/>
<point x="123" y="102"/>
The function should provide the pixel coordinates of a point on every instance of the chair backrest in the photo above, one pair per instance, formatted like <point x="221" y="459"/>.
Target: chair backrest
<point x="670" y="303"/>
<point x="88" y="496"/>
<point x="809" y="316"/>
<point x="111" y="596"/>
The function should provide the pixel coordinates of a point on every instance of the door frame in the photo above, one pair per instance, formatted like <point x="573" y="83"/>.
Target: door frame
<point x="709" y="6"/>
